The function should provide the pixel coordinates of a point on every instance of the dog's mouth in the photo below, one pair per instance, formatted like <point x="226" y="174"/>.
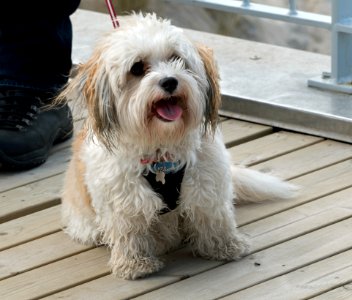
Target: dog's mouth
<point x="168" y="109"/>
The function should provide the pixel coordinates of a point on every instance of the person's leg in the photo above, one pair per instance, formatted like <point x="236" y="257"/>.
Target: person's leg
<point x="35" y="60"/>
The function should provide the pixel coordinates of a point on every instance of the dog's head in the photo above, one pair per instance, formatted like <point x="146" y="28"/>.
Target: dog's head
<point x="147" y="83"/>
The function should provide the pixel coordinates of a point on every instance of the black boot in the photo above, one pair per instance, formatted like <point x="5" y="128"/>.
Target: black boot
<point x="28" y="129"/>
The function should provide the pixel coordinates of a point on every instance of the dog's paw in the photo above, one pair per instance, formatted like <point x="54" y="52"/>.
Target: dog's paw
<point x="231" y="249"/>
<point x="137" y="268"/>
<point x="234" y="249"/>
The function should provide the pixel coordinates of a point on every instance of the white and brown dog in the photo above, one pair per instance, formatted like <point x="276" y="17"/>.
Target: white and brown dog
<point x="150" y="169"/>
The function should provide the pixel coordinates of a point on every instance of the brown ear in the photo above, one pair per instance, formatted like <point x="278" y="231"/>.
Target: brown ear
<point x="214" y="96"/>
<point x="91" y="86"/>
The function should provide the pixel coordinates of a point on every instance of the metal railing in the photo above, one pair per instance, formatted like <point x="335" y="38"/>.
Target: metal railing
<point x="340" y="25"/>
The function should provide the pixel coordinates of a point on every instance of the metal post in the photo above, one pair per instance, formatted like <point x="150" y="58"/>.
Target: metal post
<point x="293" y="7"/>
<point x="340" y="78"/>
<point x="246" y="3"/>
<point x="341" y="52"/>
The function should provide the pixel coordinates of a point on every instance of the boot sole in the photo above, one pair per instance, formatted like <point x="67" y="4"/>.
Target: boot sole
<point x="35" y="158"/>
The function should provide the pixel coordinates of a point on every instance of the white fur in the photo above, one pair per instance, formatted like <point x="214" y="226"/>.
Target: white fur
<point x="254" y="186"/>
<point x="123" y="210"/>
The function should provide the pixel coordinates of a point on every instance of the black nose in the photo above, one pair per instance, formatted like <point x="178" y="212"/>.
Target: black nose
<point x="169" y="84"/>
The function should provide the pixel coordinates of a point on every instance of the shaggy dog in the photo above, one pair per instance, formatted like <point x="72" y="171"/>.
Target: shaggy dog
<point x="150" y="170"/>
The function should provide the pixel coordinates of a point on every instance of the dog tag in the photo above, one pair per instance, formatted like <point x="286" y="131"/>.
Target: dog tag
<point x="160" y="176"/>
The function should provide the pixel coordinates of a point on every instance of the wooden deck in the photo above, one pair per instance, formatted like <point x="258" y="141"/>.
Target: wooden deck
<point x="300" y="249"/>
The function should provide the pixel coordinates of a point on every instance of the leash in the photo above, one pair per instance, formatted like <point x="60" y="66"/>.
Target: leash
<point x="112" y="13"/>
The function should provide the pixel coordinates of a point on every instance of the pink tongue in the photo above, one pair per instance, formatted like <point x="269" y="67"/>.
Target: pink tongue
<point x="168" y="110"/>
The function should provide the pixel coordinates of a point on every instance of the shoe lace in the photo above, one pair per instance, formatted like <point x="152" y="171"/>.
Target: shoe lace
<point x="18" y="110"/>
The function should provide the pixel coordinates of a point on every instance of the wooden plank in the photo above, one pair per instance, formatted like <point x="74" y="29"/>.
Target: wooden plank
<point x="314" y="185"/>
<point x="30" y="198"/>
<point x="56" y="276"/>
<point x="37" y="253"/>
<point x="236" y="132"/>
<point x="306" y="160"/>
<point x="261" y="266"/>
<point x="303" y="283"/>
<point x="342" y="293"/>
<point x="55" y="164"/>
<point x="270" y="146"/>
<point x="111" y="288"/>
<point x="300" y="220"/>
<point x="30" y="227"/>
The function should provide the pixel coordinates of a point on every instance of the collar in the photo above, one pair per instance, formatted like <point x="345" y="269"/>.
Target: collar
<point x="161" y="165"/>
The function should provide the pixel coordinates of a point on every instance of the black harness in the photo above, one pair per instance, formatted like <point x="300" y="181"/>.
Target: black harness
<point x="170" y="190"/>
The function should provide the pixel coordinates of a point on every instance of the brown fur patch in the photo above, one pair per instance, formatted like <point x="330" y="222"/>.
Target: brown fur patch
<point x="75" y="188"/>
<point x="90" y="70"/>
<point x="213" y="78"/>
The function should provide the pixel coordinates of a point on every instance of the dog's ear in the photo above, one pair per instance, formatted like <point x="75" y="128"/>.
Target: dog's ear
<point x="91" y="85"/>
<point x="213" y="93"/>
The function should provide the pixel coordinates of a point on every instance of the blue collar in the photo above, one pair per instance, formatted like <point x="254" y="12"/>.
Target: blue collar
<point x="165" y="166"/>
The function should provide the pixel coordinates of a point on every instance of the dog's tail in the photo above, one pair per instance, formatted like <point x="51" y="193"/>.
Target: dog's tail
<point x="254" y="186"/>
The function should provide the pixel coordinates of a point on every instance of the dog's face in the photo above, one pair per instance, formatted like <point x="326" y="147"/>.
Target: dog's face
<point x="147" y="83"/>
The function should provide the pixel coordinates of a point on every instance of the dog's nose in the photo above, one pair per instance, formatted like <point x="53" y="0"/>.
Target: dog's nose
<point x="169" y="84"/>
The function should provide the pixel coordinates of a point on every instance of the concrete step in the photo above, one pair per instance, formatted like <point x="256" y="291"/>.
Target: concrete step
<point x="261" y="83"/>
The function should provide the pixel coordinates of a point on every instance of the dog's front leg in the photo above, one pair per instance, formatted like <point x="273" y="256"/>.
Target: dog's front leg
<point x="128" y="231"/>
<point x="215" y="238"/>
<point x="133" y="255"/>
<point x="209" y="217"/>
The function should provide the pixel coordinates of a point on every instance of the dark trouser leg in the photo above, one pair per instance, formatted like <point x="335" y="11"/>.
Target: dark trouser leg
<point x="35" y="60"/>
<point x="35" y="43"/>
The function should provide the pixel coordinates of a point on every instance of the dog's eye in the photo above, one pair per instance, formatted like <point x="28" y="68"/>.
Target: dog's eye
<point x="137" y="69"/>
<point x="174" y="57"/>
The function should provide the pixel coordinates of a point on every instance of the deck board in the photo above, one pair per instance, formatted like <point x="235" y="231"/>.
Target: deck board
<point x="36" y="253"/>
<point x="30" y="227"/>
<point x="270" y="146"/>
<point x="309" y="235"/>
<point x="300" y="220"/>
<point x="30" y="198"/>
<point x="307" y="160"/>
<point x="304" y="282"/>
<point x="59" y="275"/>
<point x="341" y="293"/>
<point x="236" y="131"/>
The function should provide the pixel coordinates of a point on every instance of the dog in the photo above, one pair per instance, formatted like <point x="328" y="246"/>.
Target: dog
<point x="149" y="169"/>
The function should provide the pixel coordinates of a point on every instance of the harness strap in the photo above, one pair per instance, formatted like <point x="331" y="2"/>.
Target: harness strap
<point x="170" y="190"/>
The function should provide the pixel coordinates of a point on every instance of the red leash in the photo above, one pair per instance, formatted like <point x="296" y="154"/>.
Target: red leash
<point x="112" y="13"/>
